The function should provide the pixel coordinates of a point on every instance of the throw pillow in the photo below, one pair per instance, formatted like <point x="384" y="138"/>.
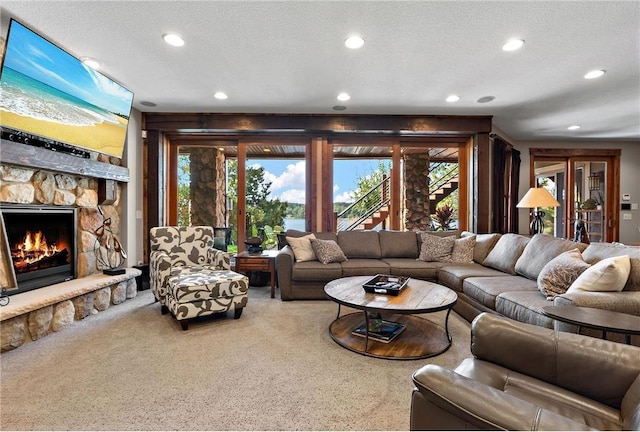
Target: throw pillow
<point x="463" y="249"/>
<point x="435" y="248"/>
<point x="559" y="273"/>
<point x="327" y="251"/>
<point x="610" y="274"/>
<point x="302" y="250"/>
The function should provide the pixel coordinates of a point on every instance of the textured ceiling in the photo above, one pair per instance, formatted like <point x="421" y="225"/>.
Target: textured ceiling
<point x="289" y="57"/>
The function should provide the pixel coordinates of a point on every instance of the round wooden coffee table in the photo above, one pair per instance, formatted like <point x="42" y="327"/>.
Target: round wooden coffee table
<point x="420" y="338"/>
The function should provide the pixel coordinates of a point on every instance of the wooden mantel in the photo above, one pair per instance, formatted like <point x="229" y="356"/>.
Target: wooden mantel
<point x="16" y="153"/>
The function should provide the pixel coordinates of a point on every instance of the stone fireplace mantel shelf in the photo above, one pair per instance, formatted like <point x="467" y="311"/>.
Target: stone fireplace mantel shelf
<point x="16" y="153"/>
<point x="32" y="300"/>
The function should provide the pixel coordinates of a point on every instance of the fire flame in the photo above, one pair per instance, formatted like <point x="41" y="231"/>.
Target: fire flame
<point x="35" y="247"/>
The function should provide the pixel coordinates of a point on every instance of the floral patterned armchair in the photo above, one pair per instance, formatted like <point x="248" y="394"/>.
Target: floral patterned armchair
<point x="189" y="277"/>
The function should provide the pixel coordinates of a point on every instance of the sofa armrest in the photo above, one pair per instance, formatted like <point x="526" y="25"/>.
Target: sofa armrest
<point x="220" y="259"/>
<point x="284" y="269"/>
<point x="159" y="271"/>
<point x="480" y="405"/>
<point x="626" y="301"/>
<point x="571" y="361"/>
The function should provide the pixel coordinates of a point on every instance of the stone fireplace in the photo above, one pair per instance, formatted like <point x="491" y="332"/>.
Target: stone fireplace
<point x="33" y="179"/>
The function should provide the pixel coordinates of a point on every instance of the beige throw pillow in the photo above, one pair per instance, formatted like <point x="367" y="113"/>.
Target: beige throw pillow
<point x="302" y="250"/>
<point x="327" y="251"/>
<point x="559" y="273"/>
<point x="610" y="274"/>
<point x="463" y="249"/>
<point x="435" y="248"/>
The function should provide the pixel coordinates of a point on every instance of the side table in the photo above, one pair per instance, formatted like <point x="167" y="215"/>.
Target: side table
<point x="598" y="319"/>
<point x="264" y="261"/>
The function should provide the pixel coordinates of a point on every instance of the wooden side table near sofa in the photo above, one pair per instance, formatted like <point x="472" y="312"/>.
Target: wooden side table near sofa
<point x="598" y="319"/>
<point x="264" y="261"/>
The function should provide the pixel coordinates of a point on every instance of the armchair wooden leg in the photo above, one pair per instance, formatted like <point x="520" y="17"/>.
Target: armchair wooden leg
<point x="237" y="312"/>
<point x="184" y="324"/>
<point x="164" y="310"/>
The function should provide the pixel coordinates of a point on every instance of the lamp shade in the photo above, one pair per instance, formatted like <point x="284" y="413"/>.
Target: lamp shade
<point x="538" y="197"/>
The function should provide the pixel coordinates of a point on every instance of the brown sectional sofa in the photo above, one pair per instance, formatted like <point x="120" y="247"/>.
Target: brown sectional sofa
<point x="501" y="279"/>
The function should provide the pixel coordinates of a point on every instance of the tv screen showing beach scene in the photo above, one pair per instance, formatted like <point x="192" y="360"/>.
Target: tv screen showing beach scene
<point x="45" y="91"/>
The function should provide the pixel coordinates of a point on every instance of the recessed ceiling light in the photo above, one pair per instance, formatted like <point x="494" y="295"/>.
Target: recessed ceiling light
<point x="91" y="62"/>
<point x="354" y="42"/>
<point x="344" y="97"/>
<point x="486" y="99"/>
<point x="147" y="103"/>
<point x="453" y="98"/>
<point x="513" y="45"/>
<point x="173" y="39"/>
<point x="573" y="127"/>
<point x="594" y="74"/>
<point x="220" y="95"/>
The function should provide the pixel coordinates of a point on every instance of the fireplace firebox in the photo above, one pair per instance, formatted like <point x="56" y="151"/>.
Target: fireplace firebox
<point x="42" y="244"/>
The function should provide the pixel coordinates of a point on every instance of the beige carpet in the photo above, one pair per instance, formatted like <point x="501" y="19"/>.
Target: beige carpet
<point x="276" y="368"/>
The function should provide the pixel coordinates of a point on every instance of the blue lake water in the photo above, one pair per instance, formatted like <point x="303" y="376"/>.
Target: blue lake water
<point x="294" y="224"/>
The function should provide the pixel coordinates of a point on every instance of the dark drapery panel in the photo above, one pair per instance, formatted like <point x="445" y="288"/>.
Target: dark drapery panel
<point x="505" y="183"/>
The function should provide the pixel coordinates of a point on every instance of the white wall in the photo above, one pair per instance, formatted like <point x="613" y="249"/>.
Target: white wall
<point x="132" y="192"/>
<point x="629" y="179"/>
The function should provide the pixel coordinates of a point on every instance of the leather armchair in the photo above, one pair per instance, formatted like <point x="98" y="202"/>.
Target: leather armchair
<point x="525" y="377"/>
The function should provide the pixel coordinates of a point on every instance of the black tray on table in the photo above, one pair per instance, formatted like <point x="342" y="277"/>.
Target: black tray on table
<point x="386" y="284"/>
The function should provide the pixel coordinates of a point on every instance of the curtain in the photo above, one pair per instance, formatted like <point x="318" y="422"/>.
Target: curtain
<point x="505" y="183"/>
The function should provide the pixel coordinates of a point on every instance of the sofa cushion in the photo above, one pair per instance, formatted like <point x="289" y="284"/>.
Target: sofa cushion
<point x="610" y="274"/>
<point x="484" y="244"/>
<point x="462" y="251"/>
<point x="398" y="244"/>
<point x="301" y="246"/>
<point x="539" y="251"/>
<point x="364" y="267"/>
<point x="559" y="273"/>
<point x="316" y="271"/>
<point x="436" y="248"/>
<point x="485" y="289"/>
<point x="411" y="267"/>
<point x="360" y="244"/>
<point x="524" y="306"/>
<point x="452" y="275"/>
<point x="598" y="251"/>
<point x="327" y="251"/>
<point x="506" y="252"/>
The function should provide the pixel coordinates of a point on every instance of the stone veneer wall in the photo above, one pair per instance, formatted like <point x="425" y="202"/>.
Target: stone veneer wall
<point x="77" y="299"/>
<point x="416" y="185"/>
<point x="208" y="187"/>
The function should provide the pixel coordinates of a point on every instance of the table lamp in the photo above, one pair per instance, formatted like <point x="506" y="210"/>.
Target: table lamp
<point x="536" y="198"/>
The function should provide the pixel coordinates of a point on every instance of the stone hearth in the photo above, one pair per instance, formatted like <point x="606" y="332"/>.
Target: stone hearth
<point x="32" y="315"/>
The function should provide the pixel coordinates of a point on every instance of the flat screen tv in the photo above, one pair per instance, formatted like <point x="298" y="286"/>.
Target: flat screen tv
<point x="47" y="92"/>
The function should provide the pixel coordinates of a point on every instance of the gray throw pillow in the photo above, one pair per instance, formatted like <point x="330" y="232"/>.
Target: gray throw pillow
<point x="327" y="251"/>
<point x="506" y="252"/>
<point x="436" y="248"/>
<point x="559" y="273"/>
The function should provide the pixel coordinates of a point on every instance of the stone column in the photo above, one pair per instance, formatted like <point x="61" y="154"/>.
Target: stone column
<point x="208" y="198"/>
<point x="416" y="185"/>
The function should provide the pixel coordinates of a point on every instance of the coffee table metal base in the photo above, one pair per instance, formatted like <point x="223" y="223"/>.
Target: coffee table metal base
<point x="420" y="339"/>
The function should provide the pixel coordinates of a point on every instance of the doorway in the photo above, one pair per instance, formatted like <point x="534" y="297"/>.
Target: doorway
<point x="586" y="184"/>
